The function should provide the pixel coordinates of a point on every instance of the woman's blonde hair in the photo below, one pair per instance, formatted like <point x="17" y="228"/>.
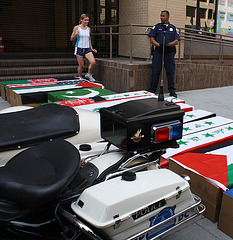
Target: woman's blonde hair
<point x="84" y="15"/>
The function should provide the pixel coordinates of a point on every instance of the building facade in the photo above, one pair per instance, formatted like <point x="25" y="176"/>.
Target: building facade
<point x="206" y="13"/>
<point x="46" y="25"/>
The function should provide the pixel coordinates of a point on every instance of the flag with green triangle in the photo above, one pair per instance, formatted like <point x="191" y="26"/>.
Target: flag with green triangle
<point x="215" y="163"/>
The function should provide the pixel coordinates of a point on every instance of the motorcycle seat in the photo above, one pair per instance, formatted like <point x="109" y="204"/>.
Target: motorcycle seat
<point x="29" y="127"/>
<point x="39" y="174"/>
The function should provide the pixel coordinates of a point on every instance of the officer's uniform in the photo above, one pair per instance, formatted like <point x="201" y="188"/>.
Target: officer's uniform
<point x="169" y="61"/>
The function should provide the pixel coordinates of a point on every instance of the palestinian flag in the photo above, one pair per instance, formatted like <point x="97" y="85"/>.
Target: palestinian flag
<point x="105" y="98"/>
<point x="78" y="93"/>
<point x="196" y="115"/>
<point x="214" y="163"/>
<point x="202" y="139"/>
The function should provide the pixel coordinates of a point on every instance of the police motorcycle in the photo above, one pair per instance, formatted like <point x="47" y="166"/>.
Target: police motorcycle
<point x="116" y="194"/>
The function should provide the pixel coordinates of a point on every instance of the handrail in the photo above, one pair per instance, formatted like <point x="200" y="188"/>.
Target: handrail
<point x="186" y="34"/>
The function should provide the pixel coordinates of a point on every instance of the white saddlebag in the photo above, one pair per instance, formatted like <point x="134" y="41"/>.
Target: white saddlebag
<point x="121" y="208"/>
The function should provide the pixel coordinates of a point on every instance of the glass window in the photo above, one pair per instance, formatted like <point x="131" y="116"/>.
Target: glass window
<point x="190" y="11"/>
<point x="203" y="13"/>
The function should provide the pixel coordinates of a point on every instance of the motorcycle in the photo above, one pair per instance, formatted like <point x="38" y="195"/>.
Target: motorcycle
<point x="51" y="191"/>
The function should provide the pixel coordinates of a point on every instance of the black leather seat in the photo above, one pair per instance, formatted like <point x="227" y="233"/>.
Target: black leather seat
<point x="33" y="126"/>
<point x="39" y="174"/>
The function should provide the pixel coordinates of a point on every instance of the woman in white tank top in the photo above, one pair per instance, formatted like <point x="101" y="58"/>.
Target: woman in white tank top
<point x="83" y="47"/>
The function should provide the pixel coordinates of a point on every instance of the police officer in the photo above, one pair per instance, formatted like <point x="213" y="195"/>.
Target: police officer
<point x="157" y="34"/>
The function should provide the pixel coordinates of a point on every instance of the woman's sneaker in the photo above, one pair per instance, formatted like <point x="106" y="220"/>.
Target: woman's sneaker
<point x="89" y="77"/>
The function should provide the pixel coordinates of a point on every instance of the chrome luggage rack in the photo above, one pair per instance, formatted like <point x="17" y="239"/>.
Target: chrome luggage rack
<point x="194" y="207"/>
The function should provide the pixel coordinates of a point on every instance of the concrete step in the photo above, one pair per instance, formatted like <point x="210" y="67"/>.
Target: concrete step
<point x="37" y="70"/>
<point x="39" y="76"/>
<point x="36" y="62"/>
<point x="22" y="69"/>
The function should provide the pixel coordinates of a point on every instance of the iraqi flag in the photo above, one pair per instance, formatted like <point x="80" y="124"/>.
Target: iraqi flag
<point x="174" y="100"/>
<point x="202" y="139"/>
<point x="197" y="115"/>
<point x="203" y="125"/>
<point x="215" y="163"/>
<point x="185" y="107"/>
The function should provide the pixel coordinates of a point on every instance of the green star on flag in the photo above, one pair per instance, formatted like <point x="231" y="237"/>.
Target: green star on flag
<point x="191" y="115"/>
<point x="182" y="142"/>
<point x="187" y="129"/>
<point x="209" y="123"/>
<point x="208" y="135"/>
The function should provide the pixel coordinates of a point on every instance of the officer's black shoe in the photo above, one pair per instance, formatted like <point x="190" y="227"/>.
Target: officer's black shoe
<point x="151" y="91"/>
<point x="173" y="95"/>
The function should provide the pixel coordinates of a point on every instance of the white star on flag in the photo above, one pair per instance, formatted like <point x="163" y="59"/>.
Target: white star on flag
<point x="70" y="92"/>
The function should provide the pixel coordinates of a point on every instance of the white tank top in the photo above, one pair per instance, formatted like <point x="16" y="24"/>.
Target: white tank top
<point x="83" y="38"/>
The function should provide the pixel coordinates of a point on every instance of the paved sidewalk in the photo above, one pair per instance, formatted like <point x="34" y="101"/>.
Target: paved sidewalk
<point x="216" y="100"/>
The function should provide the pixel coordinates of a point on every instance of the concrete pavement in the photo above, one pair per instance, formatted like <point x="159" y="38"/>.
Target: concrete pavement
<point x="216" y="100"/>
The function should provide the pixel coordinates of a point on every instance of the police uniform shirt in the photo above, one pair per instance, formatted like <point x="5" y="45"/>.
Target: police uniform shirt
<point x="158" y="34"/>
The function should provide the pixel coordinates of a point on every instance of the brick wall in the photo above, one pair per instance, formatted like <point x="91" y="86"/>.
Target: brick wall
<point x="148" y="13"/>
<point x="120" y="76"/>
<point x="133" y="12"/>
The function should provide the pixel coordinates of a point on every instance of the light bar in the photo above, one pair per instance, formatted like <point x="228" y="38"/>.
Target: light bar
<point x="166" y="131"/>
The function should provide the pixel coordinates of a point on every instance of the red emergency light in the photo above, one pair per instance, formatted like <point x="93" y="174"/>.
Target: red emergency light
<point x="165" y="132"/>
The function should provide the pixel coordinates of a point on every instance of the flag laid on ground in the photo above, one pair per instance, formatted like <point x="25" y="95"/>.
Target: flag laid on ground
<point x="105" y="98"/>
<point x="185" y="107"/>
<point x="201" y="125"/>
<point x="25" y="83"/>
<point x="201" y="140"/>
<point x="173" y="99"/>
<point x="95" y="107"/>
<point x="214" y="163"/>
<point x="4" y="83"/>
<point x="196" y="115"/>
<point x="39" y="94"/>
<point x="56" y="86"/>
<point x="78" y="93"/>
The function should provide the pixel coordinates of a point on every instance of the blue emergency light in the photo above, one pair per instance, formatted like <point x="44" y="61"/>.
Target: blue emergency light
<point x="166" y="131"/>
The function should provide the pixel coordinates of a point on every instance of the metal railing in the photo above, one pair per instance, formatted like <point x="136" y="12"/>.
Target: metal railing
<point x="188" y="40"/>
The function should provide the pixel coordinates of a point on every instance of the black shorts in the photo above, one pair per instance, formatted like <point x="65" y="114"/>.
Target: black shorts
<point x="81" y="51"/>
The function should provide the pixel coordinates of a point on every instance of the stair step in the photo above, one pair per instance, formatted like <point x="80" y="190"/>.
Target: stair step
<point x="23" y="69"/>
<point x="38" y="62"/>
<point x="26" y="77"/>
<point x="37" y="70"/>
